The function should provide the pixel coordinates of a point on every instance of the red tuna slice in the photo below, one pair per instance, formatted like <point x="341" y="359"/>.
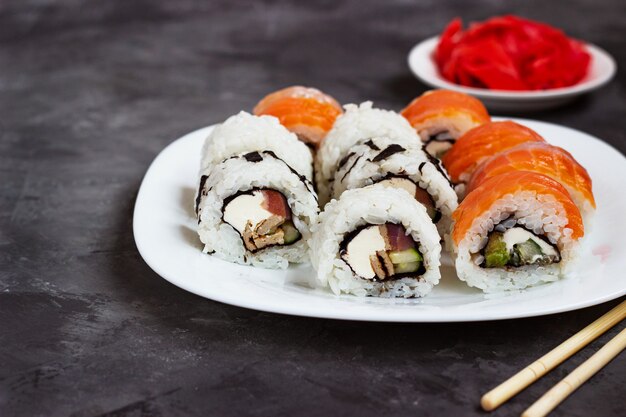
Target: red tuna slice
<point x="397" y="239"/>
<point x="276" y="203"/>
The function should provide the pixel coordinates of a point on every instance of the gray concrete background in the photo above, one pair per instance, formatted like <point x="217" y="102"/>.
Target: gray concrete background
<point x="90" y="92"/>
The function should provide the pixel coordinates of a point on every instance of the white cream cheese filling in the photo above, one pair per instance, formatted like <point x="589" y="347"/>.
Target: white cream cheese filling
<point x="366" y="243"/>
<point x="517" y="235"/>
<point x="437" y="147"/>
<point x="246" y="208"/>
<point x="401" y="183"/>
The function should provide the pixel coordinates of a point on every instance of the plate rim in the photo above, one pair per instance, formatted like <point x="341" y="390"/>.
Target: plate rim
<point x="427" y="46"/>
<point x="347" y="314"/>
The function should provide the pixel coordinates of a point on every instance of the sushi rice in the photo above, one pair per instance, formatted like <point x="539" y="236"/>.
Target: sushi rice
<point x="237" y="174"/>
<point x="543" y="215"/>
<point x="363" y="168"/>
<point x="244" y="132"/>
<point x="359" y="122"/>
<point x="376" y="205"/>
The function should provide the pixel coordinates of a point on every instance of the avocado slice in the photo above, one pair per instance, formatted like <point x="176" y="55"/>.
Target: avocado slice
<point x="496" y="253"/>
<point x="291" y="233"/>
<point x="528" y="252"/>
<point x="405" y="256"/>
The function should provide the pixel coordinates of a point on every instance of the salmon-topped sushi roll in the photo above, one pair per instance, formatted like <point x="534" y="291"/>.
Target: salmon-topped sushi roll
<point x="515" y="230"/>
<point x="545" y="159"/>
<point x="481" y="143"/>
<point x="442" y="116"/>
<point x="305" y="111"/>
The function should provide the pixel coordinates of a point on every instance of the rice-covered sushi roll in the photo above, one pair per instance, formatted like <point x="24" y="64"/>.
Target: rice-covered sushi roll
<point x="376" y="241"/>
<point x="358" y="123"/>
<point x="255" y="209"/>
<point x="515" y="230"/>
<point x="545" y="159"/>
<point x="382" y="161"/>
<point x="442" y="116"/>
<point x="305" y="111"/>
<point x="244" y="133"/>
<point x="481" y="143"/>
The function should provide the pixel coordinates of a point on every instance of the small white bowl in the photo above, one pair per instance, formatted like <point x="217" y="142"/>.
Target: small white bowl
<point x="601" y="71"/>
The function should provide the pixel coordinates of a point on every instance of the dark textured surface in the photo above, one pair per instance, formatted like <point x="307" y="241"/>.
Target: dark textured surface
<point x="90" y="93"/>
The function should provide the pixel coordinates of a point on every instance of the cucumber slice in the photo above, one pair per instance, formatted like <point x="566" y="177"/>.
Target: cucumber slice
<point x="407" y="267"/>
<point x="496" y="253"/>
<point x="291" y="233"/>
<point x="405" y="256"/>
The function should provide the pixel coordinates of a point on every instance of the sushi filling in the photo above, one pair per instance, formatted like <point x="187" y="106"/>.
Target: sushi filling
<point x="382" y="253"/>
<point x="515" y="246"/>
<point x="419" y="193"/>
<point x="262" y="217"/>
<point x="438" y="144"/>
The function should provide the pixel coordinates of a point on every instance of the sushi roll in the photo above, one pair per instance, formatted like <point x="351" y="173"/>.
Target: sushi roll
<point x="442" y="116"/>
<point x="546" y="159"/>
<point x="376" y="241"/>
<point x="255" y="209"/>
<point x="358" y="123"/>
<point x="382" y="161"/>
<point x="482" y="142"/>
<point x="515" y="230"/>
<point x="244" y="133"/>
<point x="305" y="111"/>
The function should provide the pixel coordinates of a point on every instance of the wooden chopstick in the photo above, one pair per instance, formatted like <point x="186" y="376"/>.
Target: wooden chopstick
<point x="570" y="383"/>
<point x="503" y="392"/>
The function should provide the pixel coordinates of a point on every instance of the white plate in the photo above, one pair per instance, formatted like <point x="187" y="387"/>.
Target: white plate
<point x="164" y="228"/>
<point x="601" y="71"/>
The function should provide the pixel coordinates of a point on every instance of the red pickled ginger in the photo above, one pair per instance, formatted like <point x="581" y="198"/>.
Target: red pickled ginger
<point x="510" y="53"/>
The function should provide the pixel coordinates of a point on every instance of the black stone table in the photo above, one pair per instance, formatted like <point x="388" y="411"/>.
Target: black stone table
<point x="90" y="92"/>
